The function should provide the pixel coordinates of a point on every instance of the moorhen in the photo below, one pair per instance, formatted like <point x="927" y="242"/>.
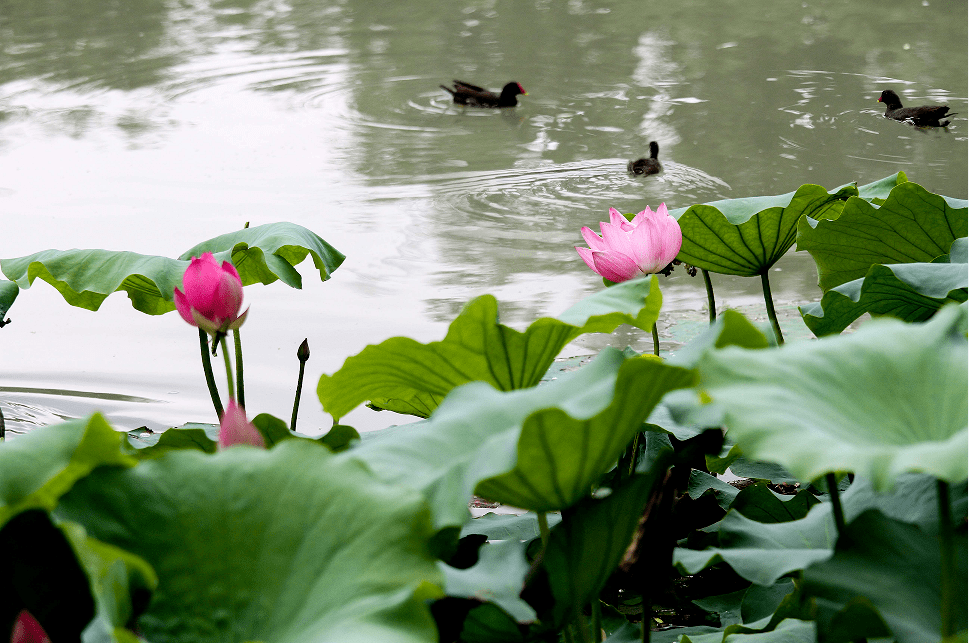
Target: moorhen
<point x="474" y="96"/>
<point x="644" y="165"/>
<point x="925" y="116"/>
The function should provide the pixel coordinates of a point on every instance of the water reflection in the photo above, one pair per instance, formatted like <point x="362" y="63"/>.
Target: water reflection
<point x="152" y="124"/>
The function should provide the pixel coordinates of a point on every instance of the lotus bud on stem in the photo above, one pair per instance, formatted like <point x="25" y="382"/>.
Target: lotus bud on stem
<point x="303" y="355"/>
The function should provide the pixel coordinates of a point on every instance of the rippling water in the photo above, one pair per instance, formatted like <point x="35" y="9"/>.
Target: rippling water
<point x="150" y="126"/>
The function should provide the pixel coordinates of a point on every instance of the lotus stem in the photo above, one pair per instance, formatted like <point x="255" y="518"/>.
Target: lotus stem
<point x="647" y="617"/>
<point x="209" y="376"/>
<point x="948" y="561"/>
<point x="569" y="638"/>
<point x="228" y="370"/>
<point x="633" y="455"/>
<point x="765" y="281"/>
<point x="596" y="620"/>
<point x="710" y="299"/>
<point x="543" y="529"/>
<point x="582" y="625"/>
<point x="655" y="340"/>
<point x="3" y="427"/>
<point x="836" y="508"/>
<point x="303" y="355"/>
<point x="240" y="386"/>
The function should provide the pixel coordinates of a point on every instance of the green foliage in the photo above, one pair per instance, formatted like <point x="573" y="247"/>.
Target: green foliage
<point x="540" y="449"/>
<point x="884" y="573"/>
<point x="281" y="545"/>
<point x="909" y="291"/>
<point x="747" y="236"/>
<point x="885" y="400"/>
<point x="403" y="375"/>
<point x="912" y="225"/>
<point x="8" y="293"/>
<point x="86" y="277"/>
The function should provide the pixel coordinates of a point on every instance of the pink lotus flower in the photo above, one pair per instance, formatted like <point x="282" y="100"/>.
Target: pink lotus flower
<point x="212" y="297"/>
<point x="630" y="249"/>
<point x="28" y="630"/>
<point x="236" y="429"/>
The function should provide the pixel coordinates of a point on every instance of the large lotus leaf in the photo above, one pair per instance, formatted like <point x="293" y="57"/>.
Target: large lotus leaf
<point x="86" y="277"/>
<point x="497" y="526"/>
<point x="747" y="236"/>
<point x="403" y="375"/>
<point x="498" y="577"/>
<point x="911" y="292"/>
<point x="887" y="399"/>
<point x="539" y="449"/>
<point x="896" y="570"/>
<point x="787" y="631"/>
<point x="912" y="225"/>
<point x="39" y="467"/>
<point x="8" y="292"/>
<point x="289" y="545"/>
<point x="878" y="191"/>
<point x="586" y="547"/>
<point x="763" y="552"/>
<point x="268" y="252"/>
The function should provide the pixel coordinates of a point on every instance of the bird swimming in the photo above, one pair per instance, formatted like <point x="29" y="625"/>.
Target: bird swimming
<point x="925" y="115"/>
<point x="649" y="165"/>
<point x="474" y="96"/>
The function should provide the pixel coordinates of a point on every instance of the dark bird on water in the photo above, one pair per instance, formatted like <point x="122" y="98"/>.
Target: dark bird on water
<point x="474" y="96"/>
<point x="644" y="165"/>
<point x="925" y="116"/>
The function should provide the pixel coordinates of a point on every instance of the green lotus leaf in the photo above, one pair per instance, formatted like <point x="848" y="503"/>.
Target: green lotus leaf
<point x="912" y="225"/>
<point x="586" y="547"/>
<point x="288" y="545"/>
<point x="887" y="399"/>
<point x="909" y="291"/>
<point x="896" y="569"/>
<point x="8" y="292"/>
<point x="403" y="375"/>
<point x="878" y="191"/>
<point x="86" y="277"/>
<point x="764" y="552"/>
<point x="507" y="526"/>
<point x="39" y="467"/>
<point x="497" y="577"/>
<point x="747" y="236"/>
<point x="539" y="449"/>
<point x="269" y="252"/>
<point x="789" y="630"/>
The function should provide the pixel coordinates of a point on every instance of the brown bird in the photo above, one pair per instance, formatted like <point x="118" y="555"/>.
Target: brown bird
<point x="926" y="115"/>
<point x="474" y="96"/>
<point x="644" y="165"/>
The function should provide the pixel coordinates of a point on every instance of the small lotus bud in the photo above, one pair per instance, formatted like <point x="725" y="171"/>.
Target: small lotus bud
<point x="303" y="353"/>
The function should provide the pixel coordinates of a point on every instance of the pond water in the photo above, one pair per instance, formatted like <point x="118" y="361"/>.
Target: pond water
<point x="152" y="125"/>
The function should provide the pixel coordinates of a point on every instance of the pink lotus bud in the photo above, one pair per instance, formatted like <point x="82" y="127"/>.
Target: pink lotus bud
<point x="630" y="249"/>
<point x="236" y="429"/>
<point x="28" y="630"/>
<point x="212" y="297"/>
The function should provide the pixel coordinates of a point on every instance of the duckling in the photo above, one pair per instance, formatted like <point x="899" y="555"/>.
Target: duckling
<point x="647" y="165"/>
